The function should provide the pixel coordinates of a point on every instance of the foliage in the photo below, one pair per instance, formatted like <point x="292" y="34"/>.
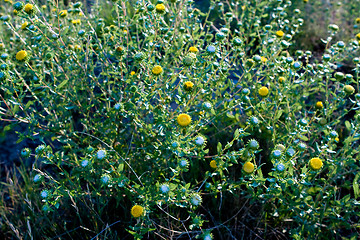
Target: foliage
<point x="160" y="121"/>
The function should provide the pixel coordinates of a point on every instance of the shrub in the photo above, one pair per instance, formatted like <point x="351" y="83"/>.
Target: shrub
<point x="158" y="119"/>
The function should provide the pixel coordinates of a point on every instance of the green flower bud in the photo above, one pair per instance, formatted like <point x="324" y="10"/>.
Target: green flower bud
<point x="339" y="76"/>
<point x="188" y="60"/>
<point x="237" y="41"/>
<point x="18" y="6"/>
<point x="77" y="5"/>
<point x="333" y="27"/>
<point x="139" y="56"/>
<point x="349" y="89"/>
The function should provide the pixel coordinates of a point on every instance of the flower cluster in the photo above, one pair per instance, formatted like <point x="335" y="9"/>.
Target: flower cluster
<point x="152" y="112"/>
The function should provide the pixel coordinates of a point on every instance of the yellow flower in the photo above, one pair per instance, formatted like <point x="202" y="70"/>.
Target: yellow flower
<point x="279" y="33"/>
<point x="160" y="8"/>
<point x="358" y="36"/>
<point x="77" y="47"/>
<point x="157" y="70"/>
<point x="315" y="163"/>
<point x="119" y="49"/>
<point x="357" y="20"/>
<point x="43" y="6"/>
<point x="243" y="7"/>
<point x="305" y="1"/>
<point x="28" y="8"/>
<point x="213" y="164"/>
<point x="81" y="14"/>
<point x="193" y="49"/>
<point x="337" y="139"/>
<point x="76" y="21"/>
<point x="263" y="59"/>
<point x="2" y="46"/>
<point x="184" y="119"/>
<point x="21" y="55"/>
<point x="63" y="13"/>
<point x="281" y="79"/>
<point x="53" y="10"/>
<point x="24" y="25"/>
<point x="319" y="105"/>
<point x="188" y="86"/>
<point x="248" y="167"/>
<point x="125" y="31"/>
<point x="132" y="73"/>
<point x="137" y="211"/>
<point x="15" y="12"/>
<point x="263" y="91"/>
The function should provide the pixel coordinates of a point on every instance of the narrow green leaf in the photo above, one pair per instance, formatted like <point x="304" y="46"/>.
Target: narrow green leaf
<point x="348" y="125"/>
<point x="278" y="114"/>
<point x="219" y="147"/>
<point x="61" y="84"/>
<point x="356" y="185"/>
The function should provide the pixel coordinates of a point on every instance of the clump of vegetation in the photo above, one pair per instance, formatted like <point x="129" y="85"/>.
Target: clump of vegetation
<point x="162" y="122"/>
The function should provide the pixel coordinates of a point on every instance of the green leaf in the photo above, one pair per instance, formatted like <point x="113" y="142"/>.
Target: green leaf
<point x="120" y="167"/>
<point x="356" y="190"/>
<point x="302" y="137"/>
<point x="346" y="198"/>
<point x="229" y="115"/>
<point x="62" y="84"/>
<point x="356" y="186"/>
<point x="28" y="104"/>
<point x="348" y="125"/>
<point x="278" y="114"/>
<point x="219" y="147"/>
<point x="317" y="148"/>
<point x="313" y="190"/>
<point x="7" y="128"/>
<point x="236" y="134"/>
<point x="260" y="174"/>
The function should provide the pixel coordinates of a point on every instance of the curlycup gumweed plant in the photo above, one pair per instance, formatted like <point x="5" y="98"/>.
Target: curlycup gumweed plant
<point x="158" y="115"/>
